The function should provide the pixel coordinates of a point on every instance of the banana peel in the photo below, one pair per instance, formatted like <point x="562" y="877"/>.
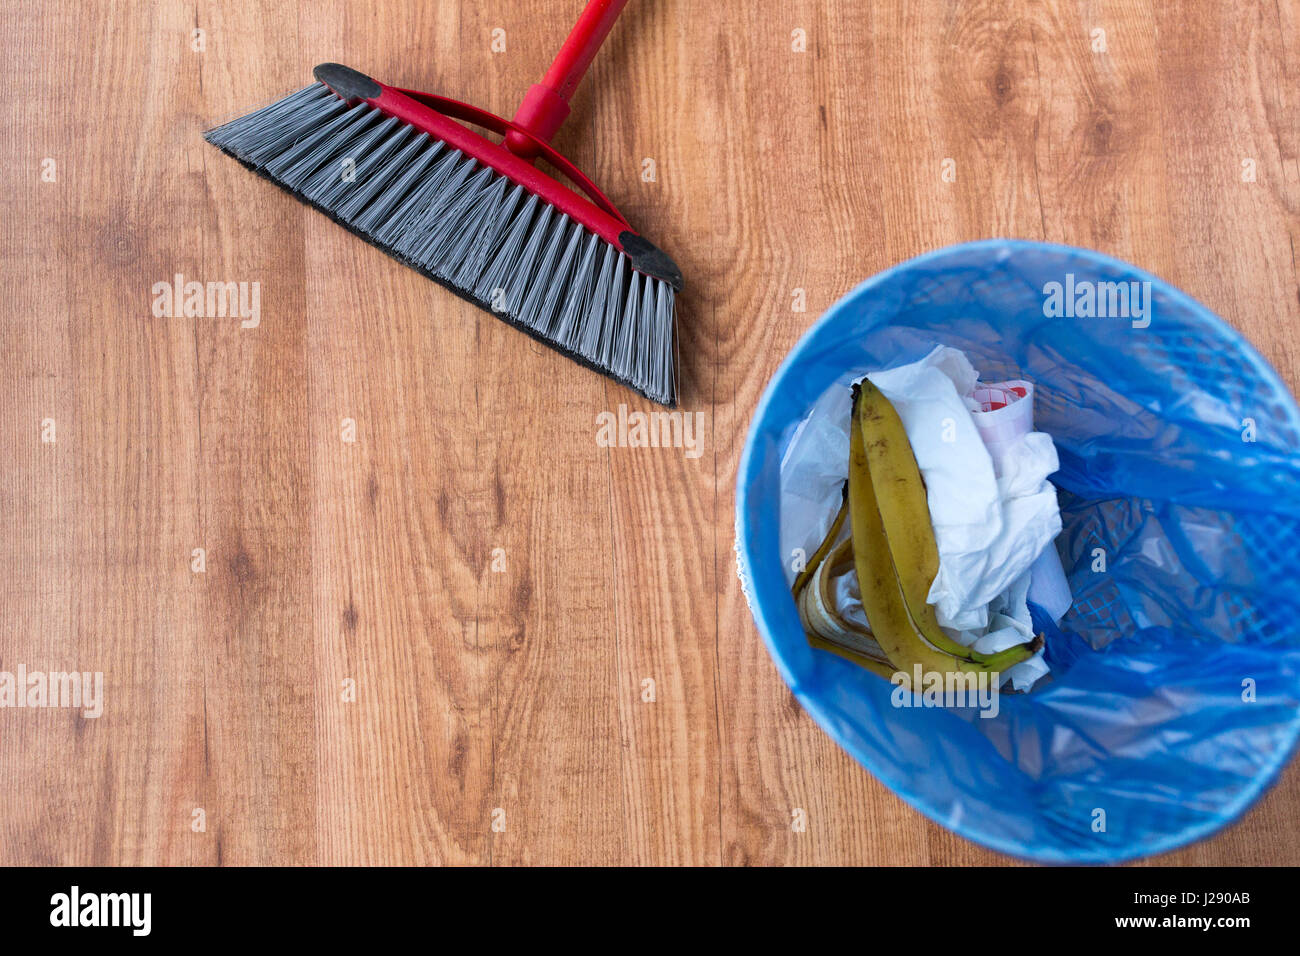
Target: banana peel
<point x="882" y="593"/>
<point x="893" y="551"/>
<point x="900" y="496"/>
<point x="824" y="627"/>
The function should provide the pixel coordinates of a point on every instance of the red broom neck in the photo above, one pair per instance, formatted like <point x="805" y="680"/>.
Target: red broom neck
<point x="546" y="104"/>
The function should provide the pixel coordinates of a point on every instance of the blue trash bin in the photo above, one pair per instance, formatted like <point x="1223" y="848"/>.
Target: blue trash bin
<point x="1175" y="695"/>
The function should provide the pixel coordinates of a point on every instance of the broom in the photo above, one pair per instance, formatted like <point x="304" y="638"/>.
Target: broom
<point x="402" y="170"/>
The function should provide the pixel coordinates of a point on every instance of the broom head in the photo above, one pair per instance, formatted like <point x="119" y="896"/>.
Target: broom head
<point x="403" y="170"/>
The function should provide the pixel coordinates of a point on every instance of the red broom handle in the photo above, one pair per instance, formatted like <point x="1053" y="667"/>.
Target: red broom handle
<point x="546" y="105"/>
<point x="581" y="46"/>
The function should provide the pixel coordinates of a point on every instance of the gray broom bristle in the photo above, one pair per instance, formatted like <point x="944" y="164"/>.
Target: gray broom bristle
<point x="467" y="227"/>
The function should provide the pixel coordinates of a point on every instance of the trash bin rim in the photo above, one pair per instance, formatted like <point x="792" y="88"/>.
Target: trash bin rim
<point x="760" y="608"/>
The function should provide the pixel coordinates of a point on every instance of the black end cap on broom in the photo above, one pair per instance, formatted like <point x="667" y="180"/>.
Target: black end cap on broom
<point x="347" y="82"/>
<point x="650" y="259"/>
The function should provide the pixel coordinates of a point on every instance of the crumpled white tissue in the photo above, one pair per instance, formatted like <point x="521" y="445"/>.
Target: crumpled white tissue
<point x="989" y="530"/>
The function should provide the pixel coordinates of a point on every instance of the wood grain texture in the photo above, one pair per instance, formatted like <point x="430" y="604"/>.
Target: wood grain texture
<point x="516" y="695"/>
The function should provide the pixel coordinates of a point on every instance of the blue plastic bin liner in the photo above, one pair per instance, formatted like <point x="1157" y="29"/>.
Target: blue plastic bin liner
<point x="1176" y="675"/>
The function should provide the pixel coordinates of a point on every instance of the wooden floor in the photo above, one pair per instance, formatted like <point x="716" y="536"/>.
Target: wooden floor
<point x="490" y="585"/>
